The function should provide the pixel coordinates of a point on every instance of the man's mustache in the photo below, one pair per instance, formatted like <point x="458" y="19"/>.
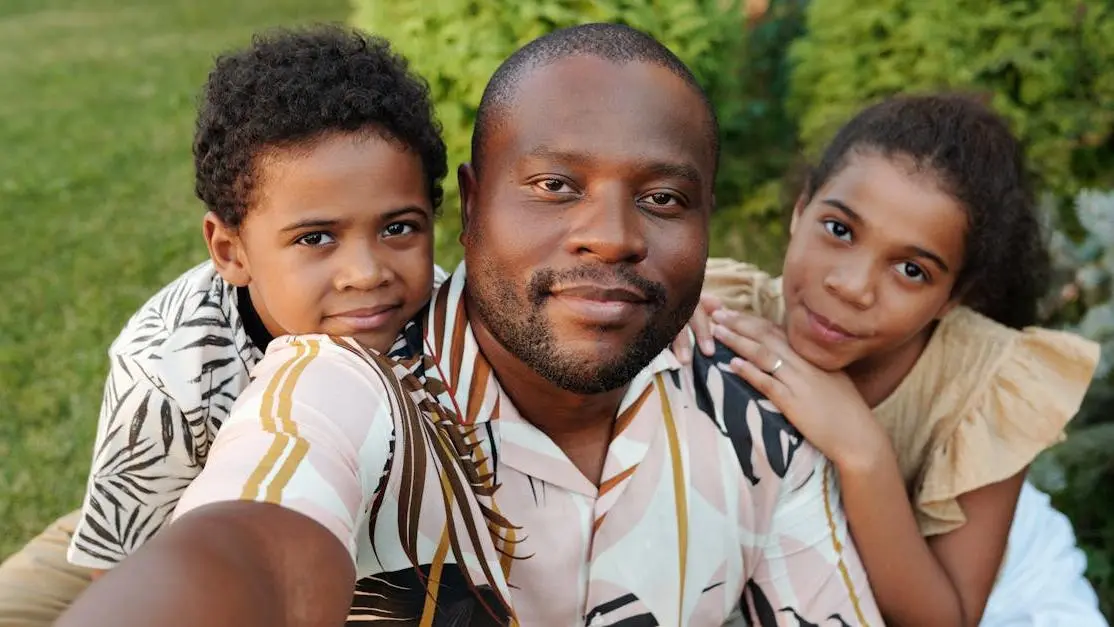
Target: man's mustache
<point x="620" y="276"/>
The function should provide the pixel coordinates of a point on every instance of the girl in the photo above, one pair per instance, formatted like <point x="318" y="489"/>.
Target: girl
<point x="899" y="342"/>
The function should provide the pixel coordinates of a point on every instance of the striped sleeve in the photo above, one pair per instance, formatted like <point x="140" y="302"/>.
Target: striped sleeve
<point x="311" y="433"/>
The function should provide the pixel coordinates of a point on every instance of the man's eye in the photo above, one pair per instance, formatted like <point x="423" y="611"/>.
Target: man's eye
<point x="662" y="199"/>
<point x="315" y="239"/>
<point x="554" y="186"/>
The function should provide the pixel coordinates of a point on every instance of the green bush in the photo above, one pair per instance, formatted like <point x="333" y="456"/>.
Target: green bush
<point x="1048" y="65"/>
<point x="457" y="44"/>
<point x="1080" y="472"/>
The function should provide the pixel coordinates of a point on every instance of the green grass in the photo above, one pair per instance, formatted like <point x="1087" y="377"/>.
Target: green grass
<point x="97" y="103"/>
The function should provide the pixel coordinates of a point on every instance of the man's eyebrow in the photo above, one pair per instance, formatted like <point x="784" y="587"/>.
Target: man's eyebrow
<point x="685" y="171"/>
<point x="682" y="171"/>
<point x="545" y="152"/>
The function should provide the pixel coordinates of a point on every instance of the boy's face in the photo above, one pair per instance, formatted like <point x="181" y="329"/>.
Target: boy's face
<point x="338" y="240"/>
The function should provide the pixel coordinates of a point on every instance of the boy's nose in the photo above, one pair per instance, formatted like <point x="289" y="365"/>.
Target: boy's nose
<point x="360" y="270"/>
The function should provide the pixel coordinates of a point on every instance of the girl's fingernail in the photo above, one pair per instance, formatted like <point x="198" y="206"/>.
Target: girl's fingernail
<point x="721" y="315"/>
<point x="708" y="345"/>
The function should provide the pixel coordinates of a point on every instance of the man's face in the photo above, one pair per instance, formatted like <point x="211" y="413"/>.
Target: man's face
<point x="586" y="228"/>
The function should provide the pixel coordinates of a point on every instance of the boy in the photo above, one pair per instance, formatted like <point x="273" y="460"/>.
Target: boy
<point x="320" y="163"/>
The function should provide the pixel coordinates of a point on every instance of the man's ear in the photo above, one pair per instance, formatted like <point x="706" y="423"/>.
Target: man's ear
<point x="466" y="182"/>
<point x="226" y="250"/>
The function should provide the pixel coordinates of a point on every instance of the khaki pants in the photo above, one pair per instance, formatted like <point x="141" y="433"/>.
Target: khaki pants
<point x="37" y="584"/>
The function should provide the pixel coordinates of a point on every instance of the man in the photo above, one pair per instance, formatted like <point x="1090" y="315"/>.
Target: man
<point x="546" y="461"/>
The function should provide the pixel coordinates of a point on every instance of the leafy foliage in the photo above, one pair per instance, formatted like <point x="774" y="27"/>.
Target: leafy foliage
<point x="1046" y="64"/>
<point x="1080" y="472"/>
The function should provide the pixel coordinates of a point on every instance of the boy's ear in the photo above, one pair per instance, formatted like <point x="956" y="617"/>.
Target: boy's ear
<point x="226" y="250"/>
<point x="798" y="209"/>
<point x="466" y="182"/>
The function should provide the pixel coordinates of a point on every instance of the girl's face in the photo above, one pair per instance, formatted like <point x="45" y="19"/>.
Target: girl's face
<point x="872" y="261"/>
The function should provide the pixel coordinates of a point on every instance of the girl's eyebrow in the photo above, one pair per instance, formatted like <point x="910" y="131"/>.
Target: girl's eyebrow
<point x="917" y="251"/>
<point x="848" y="211"/>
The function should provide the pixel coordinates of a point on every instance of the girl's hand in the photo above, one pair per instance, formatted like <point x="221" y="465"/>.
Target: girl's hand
<point x="701" y="327"/>
<point x="825" y="406"/>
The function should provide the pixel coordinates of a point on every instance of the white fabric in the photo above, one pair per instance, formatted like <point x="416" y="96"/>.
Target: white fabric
<point x="1042" y="582"/>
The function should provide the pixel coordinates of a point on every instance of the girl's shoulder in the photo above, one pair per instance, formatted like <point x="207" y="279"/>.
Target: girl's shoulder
<point x="986" y="400"/>
<point x="744" y="287"/>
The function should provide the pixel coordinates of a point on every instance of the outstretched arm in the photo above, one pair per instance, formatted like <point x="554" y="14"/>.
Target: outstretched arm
<point x="266" y="535"/>
<point x="234" y="564"/>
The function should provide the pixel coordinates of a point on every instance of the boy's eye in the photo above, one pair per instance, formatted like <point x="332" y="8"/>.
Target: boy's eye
<point x="315" y="239"/>
<point x="838" y="229"/>
<point x="396" y="229"/>
<point x="912" y="271"/>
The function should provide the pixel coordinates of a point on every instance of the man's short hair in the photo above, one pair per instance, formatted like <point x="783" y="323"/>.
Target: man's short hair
<point x="617" y="43"/>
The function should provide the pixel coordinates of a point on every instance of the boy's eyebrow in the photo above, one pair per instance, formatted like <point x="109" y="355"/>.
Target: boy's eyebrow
<point x="916" y="250"/>
<point x="310" y="224"/>
<point x="321" y="223"/>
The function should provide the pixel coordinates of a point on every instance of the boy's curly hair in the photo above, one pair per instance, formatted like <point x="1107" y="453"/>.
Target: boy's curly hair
<point x="977" y="160"/>
<point x="292" y="87"/>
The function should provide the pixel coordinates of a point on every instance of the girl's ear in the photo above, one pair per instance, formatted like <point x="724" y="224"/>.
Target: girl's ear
<point x="952" y="303"/>
<point x="798" y="209"/>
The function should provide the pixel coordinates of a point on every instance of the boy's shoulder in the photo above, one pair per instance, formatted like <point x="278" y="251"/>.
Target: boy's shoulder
<point x="195" y="311"/>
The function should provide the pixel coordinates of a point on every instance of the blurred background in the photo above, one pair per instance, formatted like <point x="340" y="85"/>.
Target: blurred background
<point x="97" y="100"/>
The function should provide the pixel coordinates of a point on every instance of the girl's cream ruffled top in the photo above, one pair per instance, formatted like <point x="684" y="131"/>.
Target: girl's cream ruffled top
<point x="978" y="406"/>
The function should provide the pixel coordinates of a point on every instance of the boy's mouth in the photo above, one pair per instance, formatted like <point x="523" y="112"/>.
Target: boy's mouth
<point x="365" y="318"/>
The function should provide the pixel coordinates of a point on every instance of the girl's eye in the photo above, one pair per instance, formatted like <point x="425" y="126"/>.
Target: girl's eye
<point x="315" y="239"/>
<point x="912" y="271"/>
<point x="838" y="229"/>
<point x="554" y="186"/>
<point x="396" y="229"/>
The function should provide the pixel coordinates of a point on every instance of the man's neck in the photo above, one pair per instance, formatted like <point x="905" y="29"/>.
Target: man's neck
<point x="579" y="424"/>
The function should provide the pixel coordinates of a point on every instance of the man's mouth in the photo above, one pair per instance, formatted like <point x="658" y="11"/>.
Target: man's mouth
<point x="599" y="305"/>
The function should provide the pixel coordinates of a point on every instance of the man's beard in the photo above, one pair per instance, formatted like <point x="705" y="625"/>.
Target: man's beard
<point x="527" y="333"/>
